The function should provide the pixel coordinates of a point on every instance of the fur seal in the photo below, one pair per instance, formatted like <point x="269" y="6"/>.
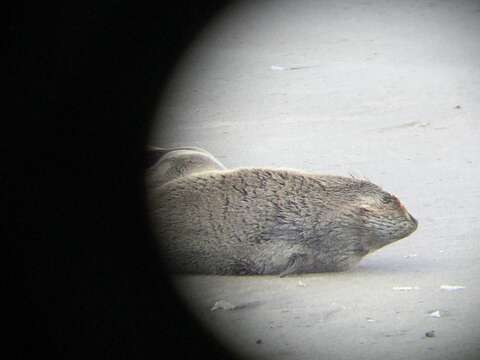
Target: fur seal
<point x="273" y="221"/>
<point x="164" y="165"/>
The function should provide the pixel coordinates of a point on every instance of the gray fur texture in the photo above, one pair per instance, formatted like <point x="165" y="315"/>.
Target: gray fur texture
<point x="273" y="221"/>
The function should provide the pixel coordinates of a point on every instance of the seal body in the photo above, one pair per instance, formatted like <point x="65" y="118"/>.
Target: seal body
<point x="273" y="221"/>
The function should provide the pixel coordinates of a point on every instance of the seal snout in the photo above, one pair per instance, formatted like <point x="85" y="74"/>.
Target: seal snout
<point x="415" y="221"/>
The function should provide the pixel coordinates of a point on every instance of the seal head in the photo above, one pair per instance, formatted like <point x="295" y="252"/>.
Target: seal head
<point x="374" y="215"/>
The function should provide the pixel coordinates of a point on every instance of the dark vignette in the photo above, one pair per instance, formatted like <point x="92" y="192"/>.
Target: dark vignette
<point x="83" y="80"/>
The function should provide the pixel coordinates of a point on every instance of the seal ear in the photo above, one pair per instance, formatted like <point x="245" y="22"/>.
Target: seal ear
<point x="365" y="209"/>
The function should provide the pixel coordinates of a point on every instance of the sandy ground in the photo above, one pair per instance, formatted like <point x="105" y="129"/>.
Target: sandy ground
<point x="385" y="90"/>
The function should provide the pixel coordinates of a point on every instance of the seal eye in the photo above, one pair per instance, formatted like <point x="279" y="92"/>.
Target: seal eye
<point x="386" y="199"/>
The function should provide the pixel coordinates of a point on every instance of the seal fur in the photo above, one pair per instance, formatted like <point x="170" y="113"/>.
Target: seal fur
<point x="273" y="221"/>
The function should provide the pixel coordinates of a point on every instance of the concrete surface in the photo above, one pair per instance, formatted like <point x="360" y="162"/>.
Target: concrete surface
<point x="387" y="90"/>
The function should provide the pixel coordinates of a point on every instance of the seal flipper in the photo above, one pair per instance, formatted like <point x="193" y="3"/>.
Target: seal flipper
<point x="164" y="165"/>
<point x="294" y="265"/>
<point x="153" y="154"/>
